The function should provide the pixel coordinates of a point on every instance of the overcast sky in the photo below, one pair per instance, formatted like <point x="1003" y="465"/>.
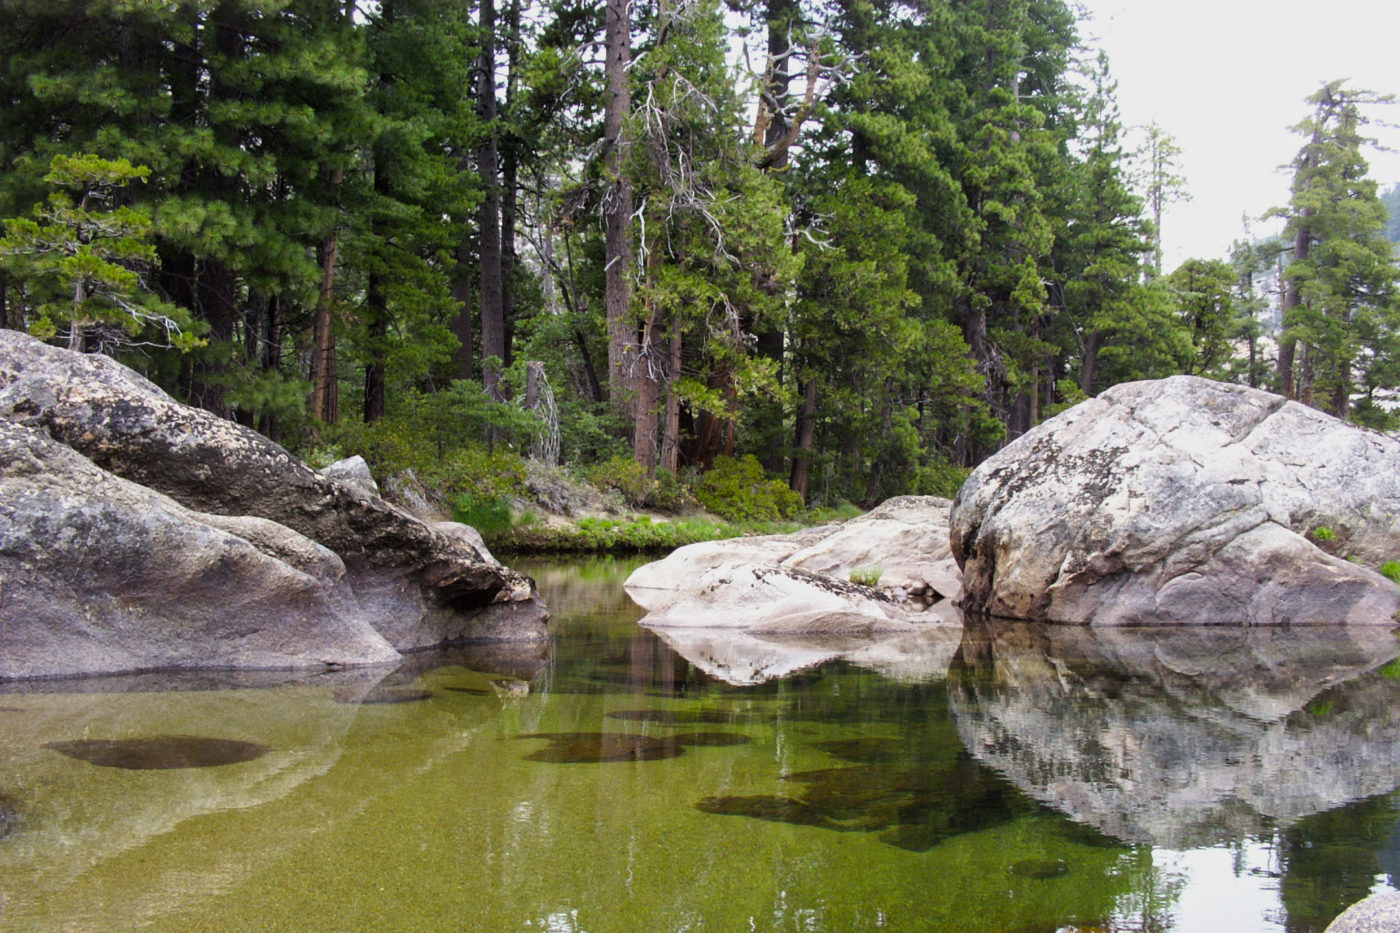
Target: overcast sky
<point x="1227" y="78"/>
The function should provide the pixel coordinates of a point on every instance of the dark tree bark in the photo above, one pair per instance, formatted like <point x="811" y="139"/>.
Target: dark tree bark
<point x="800" y="482"/>
<point x="493" y="325"/>
<point x="325" y="393"/>
<point x="617" y="210"/>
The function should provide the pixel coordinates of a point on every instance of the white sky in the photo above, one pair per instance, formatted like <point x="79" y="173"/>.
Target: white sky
<point x="1227" y="78"/>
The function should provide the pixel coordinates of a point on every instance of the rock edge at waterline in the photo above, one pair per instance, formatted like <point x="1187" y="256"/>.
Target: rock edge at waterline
<point x="800" y="583"/>
<point x="137" y="532"/>
<point x="1184" y="500"/>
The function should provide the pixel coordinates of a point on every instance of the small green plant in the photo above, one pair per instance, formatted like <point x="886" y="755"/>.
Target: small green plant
<point x="1320" y="708"/>
<point x="868" y="576"/>
<point x="1391" y="669"/>
<point x="491" y="517"/>
<point x="1323" y="533"/>
<point x="1391" y="570"/>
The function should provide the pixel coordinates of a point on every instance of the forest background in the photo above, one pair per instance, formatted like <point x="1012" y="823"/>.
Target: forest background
<point x="776" y="255"/>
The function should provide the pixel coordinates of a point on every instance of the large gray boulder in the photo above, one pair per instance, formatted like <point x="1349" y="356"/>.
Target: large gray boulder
<point x="1184" y="501"/>
<point x="101" y="575"/>
<point x="801" y="583"/>
<point x="418" y="585"/>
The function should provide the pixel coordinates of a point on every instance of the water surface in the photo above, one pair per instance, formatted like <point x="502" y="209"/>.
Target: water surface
<point x="994" y="778"/>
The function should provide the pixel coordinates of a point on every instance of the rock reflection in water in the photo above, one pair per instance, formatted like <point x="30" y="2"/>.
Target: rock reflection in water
<point x="1181" y="737"/>
<point x="383" y="695"/>
<point x="914" y="804"/>
<point x="599" y="747"/>
<point x="160" y="752"/>
<point x="747" y="659"/>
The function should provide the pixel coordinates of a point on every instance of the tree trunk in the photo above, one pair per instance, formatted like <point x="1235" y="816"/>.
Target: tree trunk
<point x="1092" y="341"/>
<point x="510" y="187"/>
<point x="1292" y="296"/>
<point x="646" y="378"/>
<point x="617" y="211"/>
<point x="806" y="435"/>
<point x="670" y="434"/>
<point x="493" y="324"/>
<point x="325" y="401"/>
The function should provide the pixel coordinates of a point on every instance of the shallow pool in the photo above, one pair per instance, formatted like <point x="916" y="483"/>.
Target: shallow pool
<point x="994" y="778"/>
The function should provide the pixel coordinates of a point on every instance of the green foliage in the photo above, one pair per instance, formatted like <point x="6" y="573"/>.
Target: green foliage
<point x="1367" y="413"/>
<point x="1391" y="199"/>
<point x="737" y="489"/>
<point x="1343" y="299"/>
<point x="80" y="263"/>
<point x="938" y="478"/>
<point x="1323" y="533"/>
<point x="490" y="516"/>
<point x="1391" y="570"/>
<point x="867" y="576"/>
<point x="639" y="533"/>
<point x="661" y="490"/>
<point x="1204" y="295"/>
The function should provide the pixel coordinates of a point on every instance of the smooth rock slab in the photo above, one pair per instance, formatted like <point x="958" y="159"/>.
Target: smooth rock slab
<point x="800" y="583"/>
<point x="1183" y="501"/>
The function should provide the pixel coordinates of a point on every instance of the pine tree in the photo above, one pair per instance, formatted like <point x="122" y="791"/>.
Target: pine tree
<point x="81" y="264"/>
<point x="1340" y="307"/>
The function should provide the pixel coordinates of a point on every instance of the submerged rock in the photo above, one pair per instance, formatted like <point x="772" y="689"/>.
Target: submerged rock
<point x="161" y="752"/>
<point x="1183" y="500"/>
<point x="600" y="747"/>
<point x="116" y="447"/>
<point x="781" y="585"/>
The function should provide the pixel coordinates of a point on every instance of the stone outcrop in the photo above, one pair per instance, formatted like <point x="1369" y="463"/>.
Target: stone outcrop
<point x="1184" y="501"/>
<point x="211" y="512"/>
<point x="1180" y="737"/>
<point x="744" y="659"/>
<point x="801" y="583"/>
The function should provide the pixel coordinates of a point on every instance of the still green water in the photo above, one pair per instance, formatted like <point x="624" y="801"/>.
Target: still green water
<point x="993" y="778"/>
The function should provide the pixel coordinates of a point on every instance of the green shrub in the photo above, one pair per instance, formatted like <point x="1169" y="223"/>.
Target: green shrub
<point x="625" y="475"/>
<point x="491" y="517"/>
<point x="1323" y="533"/>
<point x="867" y="576"/>
<point x="840" y="512"/>
<point x="662" y="490"/>
<point x="593" y="535"/>
<point x="1391" y="569"/>
<point x="736" y="489"/>
<point x="938" y="478"/>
